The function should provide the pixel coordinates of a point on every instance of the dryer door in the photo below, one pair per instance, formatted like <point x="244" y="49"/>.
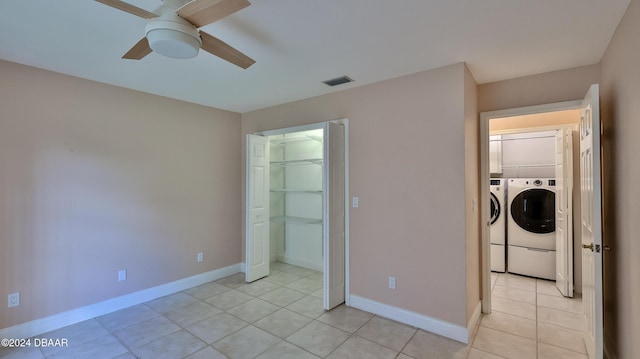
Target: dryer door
<point x="534" y="210"/>
<point x="495" y="208"/>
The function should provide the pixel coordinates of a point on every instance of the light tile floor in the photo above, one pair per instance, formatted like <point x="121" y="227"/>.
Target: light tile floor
<point x="281" y="317"/>
<point x="530" y="319"/>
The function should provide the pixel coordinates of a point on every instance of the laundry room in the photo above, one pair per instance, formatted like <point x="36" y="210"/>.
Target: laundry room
<point x="535" y="198"/>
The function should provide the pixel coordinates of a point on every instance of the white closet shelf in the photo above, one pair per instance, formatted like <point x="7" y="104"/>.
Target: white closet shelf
<point x="282" y="141"/>
<point x="315" y="161"/>
<point x="519" y="138"/>
<point x="529" y="166"/>
<point x="296" y="220"/>
<point x="287" y="190"/>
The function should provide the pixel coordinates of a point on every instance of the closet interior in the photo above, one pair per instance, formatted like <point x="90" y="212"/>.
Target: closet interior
<point x="296" y="198"/>
<point x="296" y="208"/>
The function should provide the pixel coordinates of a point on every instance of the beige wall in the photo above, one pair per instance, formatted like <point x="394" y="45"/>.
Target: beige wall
<point x="95" y="178"/>
<point x="557" y="86"/>
<point x="472" y="193"/>
<point x="620" y="100"/>
<point x="407" y="165"/>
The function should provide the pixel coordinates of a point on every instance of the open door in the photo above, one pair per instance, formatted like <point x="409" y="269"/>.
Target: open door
<point x="257" y="192"/>
<point x="591" y="190"/>
<point x="334" y="230"/>
<point x="564" y="212"/>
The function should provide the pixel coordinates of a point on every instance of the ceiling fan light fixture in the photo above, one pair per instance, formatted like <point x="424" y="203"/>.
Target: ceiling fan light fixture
<point x="172" y="39"/>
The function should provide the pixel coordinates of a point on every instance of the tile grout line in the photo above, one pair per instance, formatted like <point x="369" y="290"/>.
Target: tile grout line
<point x="407" y="343"/>
<point x="537" y="334"/>
<point x="537" y="319"/>
<point x="536" y="312"/>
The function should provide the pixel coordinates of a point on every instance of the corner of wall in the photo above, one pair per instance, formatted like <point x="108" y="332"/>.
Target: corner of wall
<point x="472" y="193"/>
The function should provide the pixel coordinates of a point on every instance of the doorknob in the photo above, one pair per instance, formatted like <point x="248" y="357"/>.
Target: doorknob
<point x="588" y="246"/>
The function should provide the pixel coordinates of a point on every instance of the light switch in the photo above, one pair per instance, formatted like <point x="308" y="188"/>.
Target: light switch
<point x="355" y="202"/>
<point x="122" y="275"/>
<point x="392" y="282"/>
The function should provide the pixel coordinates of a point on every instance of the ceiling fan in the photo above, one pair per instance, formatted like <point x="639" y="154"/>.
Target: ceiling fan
<point x="172" y="30"/>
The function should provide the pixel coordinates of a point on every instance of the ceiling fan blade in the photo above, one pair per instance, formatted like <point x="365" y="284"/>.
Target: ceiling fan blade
<point x="203" y="12"/>
<point x="139" y="50"/>
<point x="221" y="49"/>
<point x="126" y="7"/>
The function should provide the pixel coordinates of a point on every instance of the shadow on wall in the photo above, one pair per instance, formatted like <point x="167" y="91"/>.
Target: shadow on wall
<point x="609" y="220"/>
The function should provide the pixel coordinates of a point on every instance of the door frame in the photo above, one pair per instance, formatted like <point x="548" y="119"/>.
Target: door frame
<point x="485" y="117"/>
<point x="316" y="126"/>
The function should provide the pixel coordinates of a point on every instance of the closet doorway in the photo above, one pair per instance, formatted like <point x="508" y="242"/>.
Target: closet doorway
<point x="297" y="208"/>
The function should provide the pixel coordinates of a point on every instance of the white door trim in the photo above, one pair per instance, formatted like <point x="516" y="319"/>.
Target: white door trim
<point x="484" y="181"/>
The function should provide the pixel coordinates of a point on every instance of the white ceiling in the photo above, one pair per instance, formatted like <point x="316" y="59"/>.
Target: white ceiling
<point x="299" y="43"/>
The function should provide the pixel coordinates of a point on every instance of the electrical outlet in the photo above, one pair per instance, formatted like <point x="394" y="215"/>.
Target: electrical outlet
<point x="13" y="300"/>
<point x="122" y="275"/>
<point x="200" y="256"/>
<point x="392" y="282"/>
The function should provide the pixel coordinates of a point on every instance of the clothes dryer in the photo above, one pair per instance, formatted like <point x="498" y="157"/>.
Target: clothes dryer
<point x="531" y="227"/>
<point x="497" y="190"/>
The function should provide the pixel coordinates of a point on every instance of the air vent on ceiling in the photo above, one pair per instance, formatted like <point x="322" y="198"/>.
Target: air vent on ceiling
<point x="338" y="81"/>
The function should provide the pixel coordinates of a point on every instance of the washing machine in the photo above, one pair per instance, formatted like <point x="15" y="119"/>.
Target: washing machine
<point x="497" y="190"/>
<point x="531" y="227"/>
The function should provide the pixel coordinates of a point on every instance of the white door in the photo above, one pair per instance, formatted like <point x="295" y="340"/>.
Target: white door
<point x="257" y="192"/>
<point x="591" y="218"/>
<point x="334" y="225"/>
<point x="564" y="211"/>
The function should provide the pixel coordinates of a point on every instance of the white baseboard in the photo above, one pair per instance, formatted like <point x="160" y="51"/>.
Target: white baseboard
<point x="56" y="321"/>
<point x="472" y="326"/>
<point x="437" y="326"/>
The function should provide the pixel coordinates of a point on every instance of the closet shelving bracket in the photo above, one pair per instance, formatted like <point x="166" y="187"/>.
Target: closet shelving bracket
<point x="544" y="165"/>
<point x="315" y="161"/>
<point x="287" y="190"/>
<point x="296" y="220"/>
